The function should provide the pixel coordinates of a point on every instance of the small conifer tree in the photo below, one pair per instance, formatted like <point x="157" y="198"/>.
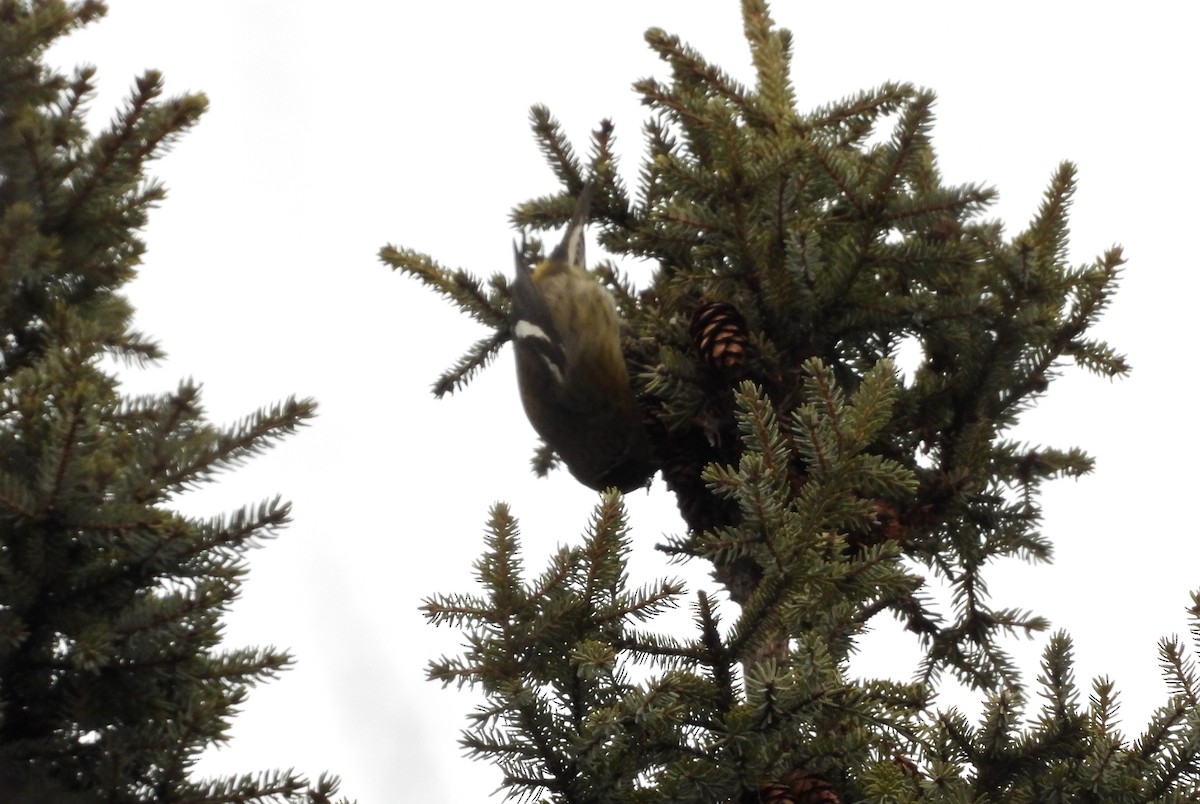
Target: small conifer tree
<point x="111" y="678"/>
<point x="796" y="255"/>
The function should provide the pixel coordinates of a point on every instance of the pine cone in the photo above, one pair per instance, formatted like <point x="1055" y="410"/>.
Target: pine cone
<point x="798" y="787"/>
<point x="888" y="526"/>
<point x="721" y="337"/>
<point x="909" y="767"/>
<point x="772" y="793"/>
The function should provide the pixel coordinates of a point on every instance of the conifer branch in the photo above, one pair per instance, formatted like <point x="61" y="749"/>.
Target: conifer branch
<point x="475" y="360"/>
<point x="852" y="119"/>
<point x="688" y="63"/>
<point x="908" y="150"/>
<point x="68" y="430"/>
<point x="192" y="456"/>
<point x="557" y="149"/>
<point x="458" y="286"/>
<point x="770" y="50"/>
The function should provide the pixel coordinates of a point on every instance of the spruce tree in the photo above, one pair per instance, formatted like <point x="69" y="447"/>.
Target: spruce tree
<point x="112" y="678"/>
<point x="797" y="256"/>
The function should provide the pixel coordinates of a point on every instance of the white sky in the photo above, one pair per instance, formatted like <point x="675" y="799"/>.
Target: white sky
<point x="338" y="128"/>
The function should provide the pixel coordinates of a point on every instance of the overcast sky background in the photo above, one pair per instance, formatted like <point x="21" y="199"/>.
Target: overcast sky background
<point x="335" y="129"/>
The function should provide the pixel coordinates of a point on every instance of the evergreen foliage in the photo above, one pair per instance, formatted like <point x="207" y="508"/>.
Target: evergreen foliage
<point x="796" y="256"/>
<point x="111" y="678"/>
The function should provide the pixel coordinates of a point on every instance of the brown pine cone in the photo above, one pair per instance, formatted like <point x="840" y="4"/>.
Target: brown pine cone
<point x="888" y="526"/>
<point x="810" y="788"/>
<point x="798" y="787"/>
<point x="721" y="336"/>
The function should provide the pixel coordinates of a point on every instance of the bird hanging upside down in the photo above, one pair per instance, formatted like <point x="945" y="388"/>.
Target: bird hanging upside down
<point x="570" y="368"/>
